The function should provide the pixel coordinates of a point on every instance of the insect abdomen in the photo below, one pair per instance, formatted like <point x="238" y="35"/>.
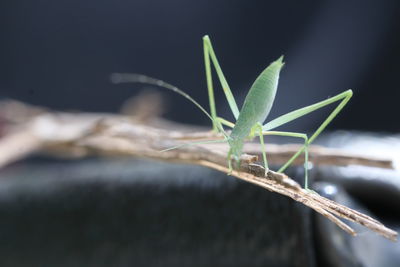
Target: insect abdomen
<point x="259" y="100"/>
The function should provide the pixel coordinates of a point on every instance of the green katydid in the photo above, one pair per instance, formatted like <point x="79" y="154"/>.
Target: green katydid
<point x="255" y="109"/>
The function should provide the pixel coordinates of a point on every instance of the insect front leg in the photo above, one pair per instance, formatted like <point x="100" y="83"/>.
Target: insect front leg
<point x="225" y="122"/>
<point x="210" y="54"/>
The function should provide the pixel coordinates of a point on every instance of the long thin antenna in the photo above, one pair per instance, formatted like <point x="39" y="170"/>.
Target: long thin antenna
<point x="140" y="78"/>
<point x="195" y="143"/>
<point x="117" y="78"/>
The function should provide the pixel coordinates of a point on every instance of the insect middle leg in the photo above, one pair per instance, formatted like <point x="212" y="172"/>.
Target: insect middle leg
<point x="258" y="130"/>
<point x="305" y="150"/>
<point x="264" y="153"/>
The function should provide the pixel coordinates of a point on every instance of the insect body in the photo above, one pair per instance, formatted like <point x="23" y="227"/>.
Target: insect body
<point x="256" y="107"/>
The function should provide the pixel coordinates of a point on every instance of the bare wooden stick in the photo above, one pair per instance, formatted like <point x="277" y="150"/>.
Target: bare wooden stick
<point x="82" y="134"/>
<point x="56" y="128"/>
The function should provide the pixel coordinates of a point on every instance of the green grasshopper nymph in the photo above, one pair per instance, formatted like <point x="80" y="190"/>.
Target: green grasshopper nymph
<point x="255" y="109"/>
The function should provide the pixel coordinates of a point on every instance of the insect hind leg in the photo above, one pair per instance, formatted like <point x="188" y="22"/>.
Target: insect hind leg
<point x="343" y="97"/>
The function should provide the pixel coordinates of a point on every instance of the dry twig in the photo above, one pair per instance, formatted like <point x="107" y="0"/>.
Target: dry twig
<point x="82" y="134"/>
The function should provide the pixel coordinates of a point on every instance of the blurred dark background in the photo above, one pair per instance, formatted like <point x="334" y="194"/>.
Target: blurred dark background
<point x="102" y="212"/>
<point x="60" y="54"/>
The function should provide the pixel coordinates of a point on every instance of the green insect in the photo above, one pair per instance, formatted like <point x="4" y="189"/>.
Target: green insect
<point x="255" y="109"/>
